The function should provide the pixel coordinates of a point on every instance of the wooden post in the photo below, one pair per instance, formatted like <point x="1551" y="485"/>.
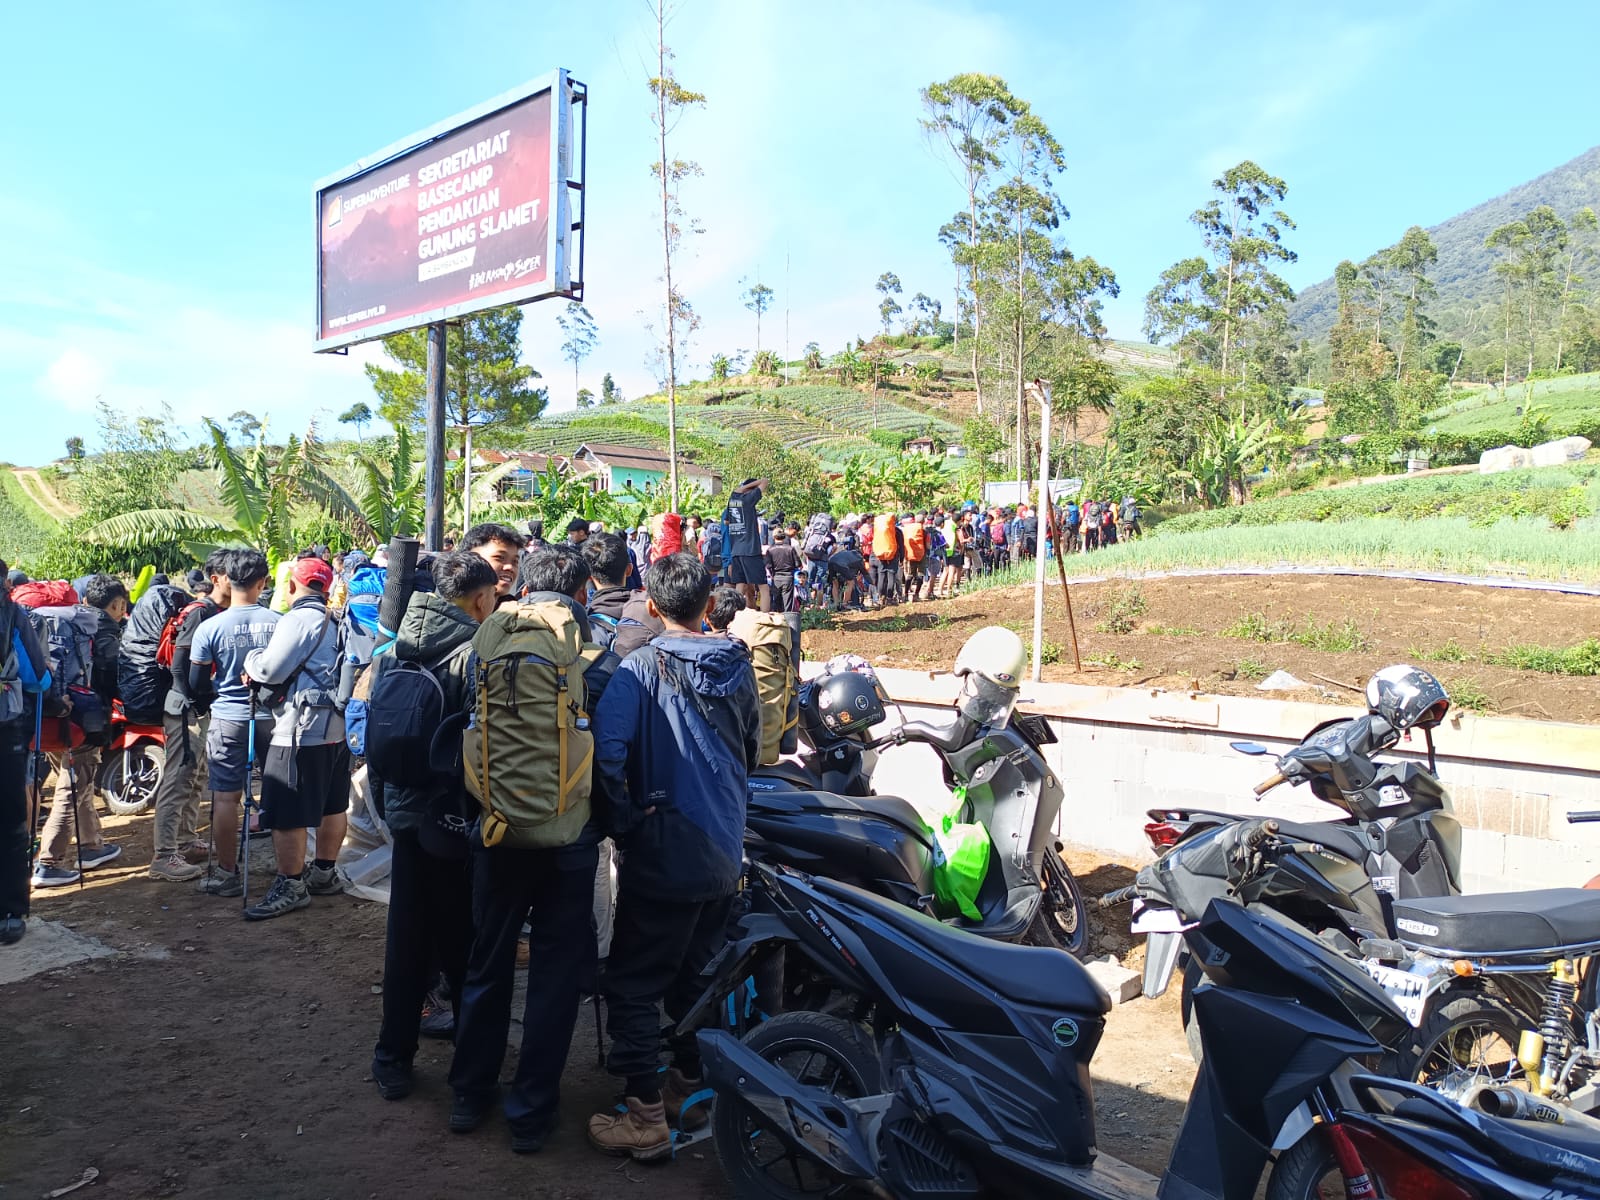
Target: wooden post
<point x="1039" y="545"/>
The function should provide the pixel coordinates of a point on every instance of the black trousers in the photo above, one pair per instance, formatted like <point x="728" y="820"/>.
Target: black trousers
<point x="782" y="591"/>
<point x="553" y="890"/>
<point x="658" y="949"/>
<point x="16" y="836"/>
<point x="430" y="930"/>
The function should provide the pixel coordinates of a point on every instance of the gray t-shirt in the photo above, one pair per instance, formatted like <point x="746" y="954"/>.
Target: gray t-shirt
<point x="224" y="640"/>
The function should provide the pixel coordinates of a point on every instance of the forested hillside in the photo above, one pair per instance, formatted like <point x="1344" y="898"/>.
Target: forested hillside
<point x="1465" y="273"/>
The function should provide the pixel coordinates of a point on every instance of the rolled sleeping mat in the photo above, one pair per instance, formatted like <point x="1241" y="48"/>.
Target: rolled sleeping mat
<point x="398" y="585"/>
<point x="790" y="742"/>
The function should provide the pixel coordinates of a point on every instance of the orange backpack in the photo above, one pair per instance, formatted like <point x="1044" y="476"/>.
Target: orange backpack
<point x="884" y="544"/>
<point x="916" y="542"/>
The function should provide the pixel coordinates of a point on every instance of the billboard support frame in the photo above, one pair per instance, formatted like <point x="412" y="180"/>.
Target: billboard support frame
<point x="559" y="282"/>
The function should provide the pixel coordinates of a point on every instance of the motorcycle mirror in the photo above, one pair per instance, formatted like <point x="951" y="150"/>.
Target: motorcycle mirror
<point x="1254" y="749"/>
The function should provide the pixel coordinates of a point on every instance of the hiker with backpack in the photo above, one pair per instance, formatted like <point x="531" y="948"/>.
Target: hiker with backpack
<point x="82" y="642"/>
<point x="25" y="697"/>
<point x="186" y="720"/>
<point x="528" y="756"/>
<point x="216" y="678"/>
<point x="305" y="781"/>
<point x="747" y="570"/>
<point x="711" y="547"/>
<point x="785" y="563"/>
<point x="414" y="691"/>
<point x="677" y="734"/>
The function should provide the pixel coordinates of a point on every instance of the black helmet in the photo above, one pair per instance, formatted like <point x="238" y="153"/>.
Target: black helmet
<point x="1407" y="697"/>
<point x="847" y="704"/>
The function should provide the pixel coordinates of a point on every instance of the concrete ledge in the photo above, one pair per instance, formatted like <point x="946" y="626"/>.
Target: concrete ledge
<point x="46" y="946"/>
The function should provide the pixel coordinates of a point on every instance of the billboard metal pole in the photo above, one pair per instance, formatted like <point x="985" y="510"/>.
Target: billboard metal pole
<point x="433" y="478"/>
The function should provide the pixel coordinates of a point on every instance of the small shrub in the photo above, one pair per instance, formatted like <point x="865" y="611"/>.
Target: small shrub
<point x="1123" y="607"/>
<point x="1582" y="659"/>
<point x="1468" y="695"/>
<point x="1253" y="627"/>
<point x="817" y="618"/>
<point x="1450" y="652"/>
<point x="1111" y="662"/>
<point x="1250" y="668"/>
<point x="1160" y="630"/>
<point x="1336" y="637"/>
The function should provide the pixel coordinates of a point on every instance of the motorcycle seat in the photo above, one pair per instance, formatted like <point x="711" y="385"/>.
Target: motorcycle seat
<point x="789" y="772"/>
<point x="1341" y="839"/>
<point x="1029" y="974"/>
<point x="1500" y="923"/>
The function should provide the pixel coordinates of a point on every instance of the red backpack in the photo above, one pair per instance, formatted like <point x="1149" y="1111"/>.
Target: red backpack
<point x="45" y="593"/>
<point x="169" y="633"/>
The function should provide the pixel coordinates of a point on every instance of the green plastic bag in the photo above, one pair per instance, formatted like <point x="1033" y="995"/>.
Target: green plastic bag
<point x="960" y="861"/>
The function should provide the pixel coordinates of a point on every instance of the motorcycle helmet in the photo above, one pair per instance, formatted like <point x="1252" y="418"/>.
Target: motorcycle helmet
<point x="990" y="667"/>
<point x="847" y="704"/>
<point x="1407" y="697"/>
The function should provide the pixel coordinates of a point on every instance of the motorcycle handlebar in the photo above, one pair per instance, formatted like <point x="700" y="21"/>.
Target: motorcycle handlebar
<point x="1266" y="785"/>
<point x="1578" y="818"/>
<point x="1120" y="896"/>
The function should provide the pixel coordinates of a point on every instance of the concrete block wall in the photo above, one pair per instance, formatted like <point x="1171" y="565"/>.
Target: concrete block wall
<point x="1122" y="751"/>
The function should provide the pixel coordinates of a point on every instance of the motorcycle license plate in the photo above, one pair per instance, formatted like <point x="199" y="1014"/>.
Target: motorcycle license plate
<point x="1406" y="991"/>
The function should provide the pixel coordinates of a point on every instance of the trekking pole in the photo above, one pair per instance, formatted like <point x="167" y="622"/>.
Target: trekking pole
<point x="41" y="764"/>
<point x="67" y="760"/>
<point x="249" y="799"/>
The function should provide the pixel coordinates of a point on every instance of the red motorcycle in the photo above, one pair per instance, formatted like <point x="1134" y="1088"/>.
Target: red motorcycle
<point x="131" y="766"/>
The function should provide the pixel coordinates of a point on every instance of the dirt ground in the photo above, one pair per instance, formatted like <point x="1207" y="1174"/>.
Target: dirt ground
<point x="217" y="1058"/>
<point x="1176" y="639"/>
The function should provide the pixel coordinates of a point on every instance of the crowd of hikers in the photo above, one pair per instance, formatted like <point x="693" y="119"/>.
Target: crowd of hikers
<point x="557" y="736"/>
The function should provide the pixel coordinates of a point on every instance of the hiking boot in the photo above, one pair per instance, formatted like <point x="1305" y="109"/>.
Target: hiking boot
<point x="46" y="875"/>
<point x="288" y="893"/>
<point x="11" y="929"/>
<point x="639" y="1131"/>
<point x="530" y="1138"/>
<point x="468" y="1112"/>
<point x="174" y="868"/>
<point x="393" y="1079"/>
<point x="222" y="883"/>
<point x="101" y="855"/>
<point x="196" y="852"/>
<point x="438" y="1017"/>
<point x="321" y="882"/>
<point x="676" y="1089"/>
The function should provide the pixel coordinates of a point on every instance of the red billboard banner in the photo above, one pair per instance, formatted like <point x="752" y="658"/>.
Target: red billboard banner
<point x="465" y="219"/>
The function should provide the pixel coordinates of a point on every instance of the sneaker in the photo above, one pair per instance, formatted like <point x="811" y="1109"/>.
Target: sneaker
<point x="438" y="1017"/>
<point x="288" y="893"/>
<point x="222" y="883"/>
<point x="639" y="1131"/>
<point x="196" y="852"/>
<point x="11" y="929"/>
<point x="321" y="882"/>
<point x="675" y="1090"/>
<point x="175" y="868"/>
<point x="468" y="1112"/>
<point x="46" y="876"/>
<point x="393" y="1078"/>
<point x="101" y="856"/>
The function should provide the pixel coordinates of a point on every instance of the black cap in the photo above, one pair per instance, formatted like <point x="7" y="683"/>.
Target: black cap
<point x="577" y="525"/>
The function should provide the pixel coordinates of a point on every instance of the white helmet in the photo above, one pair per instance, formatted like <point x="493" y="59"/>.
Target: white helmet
<point x="995" y="653"/>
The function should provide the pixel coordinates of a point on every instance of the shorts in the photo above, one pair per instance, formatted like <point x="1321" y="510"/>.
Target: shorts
<point x="747" y="568"/>
<point x="228" y="749"/>
<point x="303" y="784"/>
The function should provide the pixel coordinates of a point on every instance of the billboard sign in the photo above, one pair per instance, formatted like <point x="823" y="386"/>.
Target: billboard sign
<point x="470" y="214"/>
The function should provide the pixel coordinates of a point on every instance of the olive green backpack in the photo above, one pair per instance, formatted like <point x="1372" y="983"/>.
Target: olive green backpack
<point x="771" y="642"/>
<point x="528" y="749"/>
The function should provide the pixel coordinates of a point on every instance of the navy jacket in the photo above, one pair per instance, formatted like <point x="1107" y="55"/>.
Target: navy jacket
<point x="683" y="748"/>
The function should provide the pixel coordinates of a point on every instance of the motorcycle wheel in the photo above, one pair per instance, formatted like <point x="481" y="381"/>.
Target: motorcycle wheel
<point x="1307" y="1170"/>
<point x="1469" y="1039"/>
<point x="1062" y="920"/>
<point x="816" y="1049"/>
<point x="129" y="777"/>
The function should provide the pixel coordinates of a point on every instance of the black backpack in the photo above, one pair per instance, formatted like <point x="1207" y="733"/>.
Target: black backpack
<point x="141" y="680"/>
<point x="404" y="713"/>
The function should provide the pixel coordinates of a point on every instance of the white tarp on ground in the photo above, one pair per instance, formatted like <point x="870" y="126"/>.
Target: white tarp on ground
<point x="368" y="849"/>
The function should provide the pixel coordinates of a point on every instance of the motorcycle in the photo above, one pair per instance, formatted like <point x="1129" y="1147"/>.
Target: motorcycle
<point x="131" y="764"/>
<point x="966" y="1069"/>
<point x="1404" y="1140"/>
<point x="989" y="754"/>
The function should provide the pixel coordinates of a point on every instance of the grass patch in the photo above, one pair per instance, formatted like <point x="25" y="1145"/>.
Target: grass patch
<point x="1160" y="630"/>
<point x="1469" y="695"/>
<point x="25" y="528"/>
<point x="1110" y="662"/>
<point x="1570" y="398"/>
<point x="1334" y="637"/>
<point x="1251" y="668"/>
<point x="817" y="618"/>
<point x="1582" y="659"/>
<point x="1451" y="652"/>
<point x="1122" y="606"/>
<point x="1519" y="549"/>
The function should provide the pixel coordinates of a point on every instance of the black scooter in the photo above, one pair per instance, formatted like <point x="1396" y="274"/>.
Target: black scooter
<point x="968" y="1075"/>
<point x="882" y="844"/>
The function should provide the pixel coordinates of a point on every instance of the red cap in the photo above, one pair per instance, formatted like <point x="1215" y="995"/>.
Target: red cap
<point x="312" y="571"/>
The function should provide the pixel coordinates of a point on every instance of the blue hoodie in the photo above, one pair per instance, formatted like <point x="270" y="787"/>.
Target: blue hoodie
<point x="683" y="748"/>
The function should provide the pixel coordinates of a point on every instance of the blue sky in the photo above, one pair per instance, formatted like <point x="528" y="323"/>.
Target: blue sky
<point x="156" y="243"/>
